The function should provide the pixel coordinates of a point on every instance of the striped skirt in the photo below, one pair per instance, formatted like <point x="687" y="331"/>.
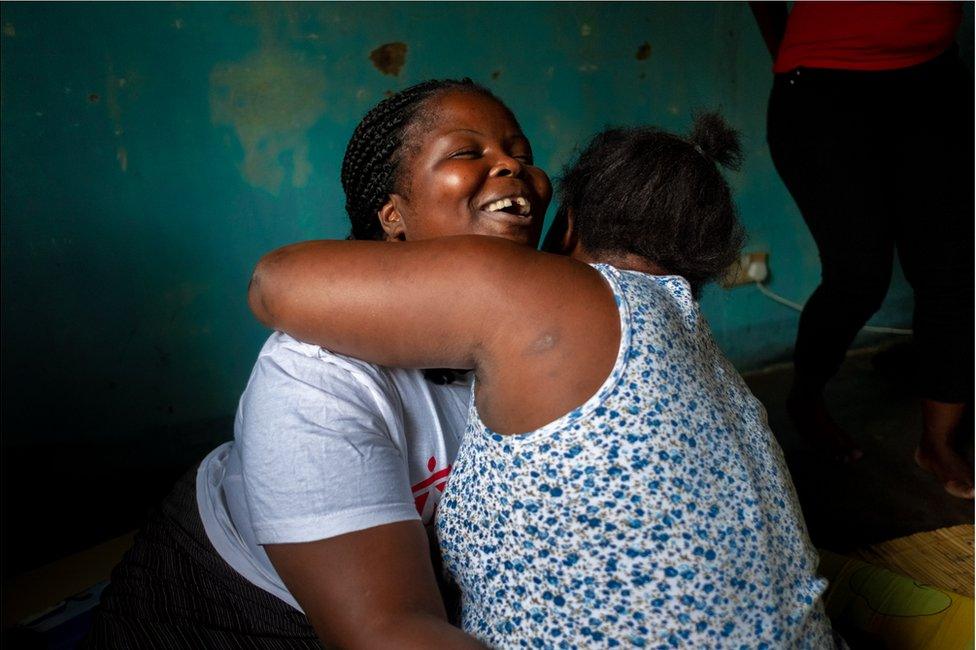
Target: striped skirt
<point x="172" y="590"/>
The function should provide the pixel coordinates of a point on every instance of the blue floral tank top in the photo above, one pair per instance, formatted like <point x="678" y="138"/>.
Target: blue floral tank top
<point x="660" y="513"/>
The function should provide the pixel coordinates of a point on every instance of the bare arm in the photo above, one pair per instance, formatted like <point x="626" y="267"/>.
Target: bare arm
<point x="771" y="19"/>
<point x="433" y="303"/>
<point x="519" y="317"/>
<point x="373" y="588"/>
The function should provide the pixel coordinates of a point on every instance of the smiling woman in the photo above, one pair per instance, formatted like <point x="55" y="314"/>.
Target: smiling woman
<point x="310" y="525"/>
<point x="402" y="160"/>
<point x="473" y="162"/>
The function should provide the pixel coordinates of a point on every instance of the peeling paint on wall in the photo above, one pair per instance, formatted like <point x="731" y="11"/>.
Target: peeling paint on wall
<point x="118" y="89"/>
<point x="271" y="99"/>
<point x="389" y="58"/>
<point x="195" y="202"/>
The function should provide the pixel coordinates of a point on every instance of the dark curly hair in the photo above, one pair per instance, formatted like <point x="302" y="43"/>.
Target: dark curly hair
<point x="371" y="165"/>
<point x="645" y="191"/>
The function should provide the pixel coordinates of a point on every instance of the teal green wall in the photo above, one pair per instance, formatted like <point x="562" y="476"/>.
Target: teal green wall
<point x="152" y="152"/>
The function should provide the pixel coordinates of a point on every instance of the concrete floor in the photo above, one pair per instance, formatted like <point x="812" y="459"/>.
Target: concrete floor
<point x="885" y="494"/>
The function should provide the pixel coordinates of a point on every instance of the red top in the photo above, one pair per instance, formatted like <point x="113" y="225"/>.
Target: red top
<point x="866" y="35"/>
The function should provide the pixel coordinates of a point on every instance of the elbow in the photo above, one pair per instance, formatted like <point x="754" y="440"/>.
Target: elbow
<point x="258" y="296"/>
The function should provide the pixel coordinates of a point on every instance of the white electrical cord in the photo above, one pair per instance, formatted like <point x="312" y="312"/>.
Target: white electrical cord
<point x="798" y="307"/>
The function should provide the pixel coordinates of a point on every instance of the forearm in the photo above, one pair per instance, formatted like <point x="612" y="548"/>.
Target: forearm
<point x="372" y="588"/>
<point x="418" y="304"/>
<point x="420" y="631"/>
<point x="363" y="298"/>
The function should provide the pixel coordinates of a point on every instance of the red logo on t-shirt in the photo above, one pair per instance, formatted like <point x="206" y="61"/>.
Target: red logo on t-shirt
<point x="422" y="490"/>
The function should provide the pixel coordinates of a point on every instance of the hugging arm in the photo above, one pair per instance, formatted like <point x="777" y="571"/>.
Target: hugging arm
<point x="522" y="319"/>
<point x="433" y="303"/>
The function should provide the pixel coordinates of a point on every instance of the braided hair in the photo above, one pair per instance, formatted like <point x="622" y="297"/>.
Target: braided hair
<point x="371" y="165"/>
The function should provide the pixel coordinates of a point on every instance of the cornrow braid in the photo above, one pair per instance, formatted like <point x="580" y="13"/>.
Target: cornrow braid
<point x="370" y="167"/>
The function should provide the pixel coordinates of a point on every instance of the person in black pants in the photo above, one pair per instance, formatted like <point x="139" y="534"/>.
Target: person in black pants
<point x="880" y="161"/>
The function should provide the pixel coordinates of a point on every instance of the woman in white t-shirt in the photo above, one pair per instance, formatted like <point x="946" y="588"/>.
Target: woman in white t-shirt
<point x="309" y="526"/>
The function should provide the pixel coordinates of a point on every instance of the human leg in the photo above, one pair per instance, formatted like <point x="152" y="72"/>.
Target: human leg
<point x="939" y="447"/>
<point x="822" y="143"/>
<point x="933" y="198"/>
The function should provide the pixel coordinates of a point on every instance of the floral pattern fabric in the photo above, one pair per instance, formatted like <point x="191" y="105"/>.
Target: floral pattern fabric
<point x="660" y="513"/>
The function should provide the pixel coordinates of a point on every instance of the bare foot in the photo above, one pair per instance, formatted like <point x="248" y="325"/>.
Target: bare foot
<point x="949" y="468"/>
<point x="813" y="422"/>
<point x="937" y="451"/>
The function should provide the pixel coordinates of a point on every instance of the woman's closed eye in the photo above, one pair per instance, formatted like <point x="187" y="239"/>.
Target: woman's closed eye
<point x="467" y="152"/>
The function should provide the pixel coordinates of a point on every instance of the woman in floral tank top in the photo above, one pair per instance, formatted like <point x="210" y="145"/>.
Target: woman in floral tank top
<point x="618" y="484"/>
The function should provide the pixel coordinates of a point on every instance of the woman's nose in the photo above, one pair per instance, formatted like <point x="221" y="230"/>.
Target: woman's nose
<point x="506" y="166"/>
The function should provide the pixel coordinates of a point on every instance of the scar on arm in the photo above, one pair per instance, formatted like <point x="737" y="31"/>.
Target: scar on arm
<point x="544" y="342"/>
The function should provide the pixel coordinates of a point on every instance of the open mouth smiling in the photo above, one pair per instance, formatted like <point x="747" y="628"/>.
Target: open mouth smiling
<point x="510" y="205"/>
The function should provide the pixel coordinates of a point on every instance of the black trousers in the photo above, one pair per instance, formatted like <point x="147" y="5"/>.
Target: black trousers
<point x="879" y="162"/>
<point x="172" y="590"/>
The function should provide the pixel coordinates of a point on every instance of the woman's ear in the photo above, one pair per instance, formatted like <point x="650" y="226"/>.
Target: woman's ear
<point x="570" y="238"/>
<point x="561" y="238"/>
<point x="391" y="220"/>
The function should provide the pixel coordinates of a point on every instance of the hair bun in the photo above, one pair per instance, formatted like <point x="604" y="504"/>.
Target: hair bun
<point x="713" y="136"/>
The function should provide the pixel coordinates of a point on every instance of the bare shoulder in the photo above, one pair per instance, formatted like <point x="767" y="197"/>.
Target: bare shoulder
<point x="539" y="301"/>
<point x="554" y="345"/>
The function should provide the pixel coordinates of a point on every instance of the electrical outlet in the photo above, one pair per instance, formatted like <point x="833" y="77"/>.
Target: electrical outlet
<point x="751" y="268"/>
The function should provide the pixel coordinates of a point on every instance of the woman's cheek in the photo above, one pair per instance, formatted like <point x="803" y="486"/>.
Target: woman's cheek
<point x="454" y="181"/>
<point x="542" y="185"/>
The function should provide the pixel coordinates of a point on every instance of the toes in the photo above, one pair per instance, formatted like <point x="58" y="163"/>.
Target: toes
<point x="959" y="489"/>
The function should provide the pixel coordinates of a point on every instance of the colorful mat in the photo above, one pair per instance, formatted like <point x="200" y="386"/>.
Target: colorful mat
<point x="873" y="607"/>
<point x="941" y="558"/>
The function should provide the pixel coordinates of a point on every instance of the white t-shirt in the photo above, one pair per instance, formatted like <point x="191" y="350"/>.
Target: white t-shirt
<point x="325" y="445"/>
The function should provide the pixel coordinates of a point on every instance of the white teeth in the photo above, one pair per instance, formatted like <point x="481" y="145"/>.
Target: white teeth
<point x="501" y="204"/>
